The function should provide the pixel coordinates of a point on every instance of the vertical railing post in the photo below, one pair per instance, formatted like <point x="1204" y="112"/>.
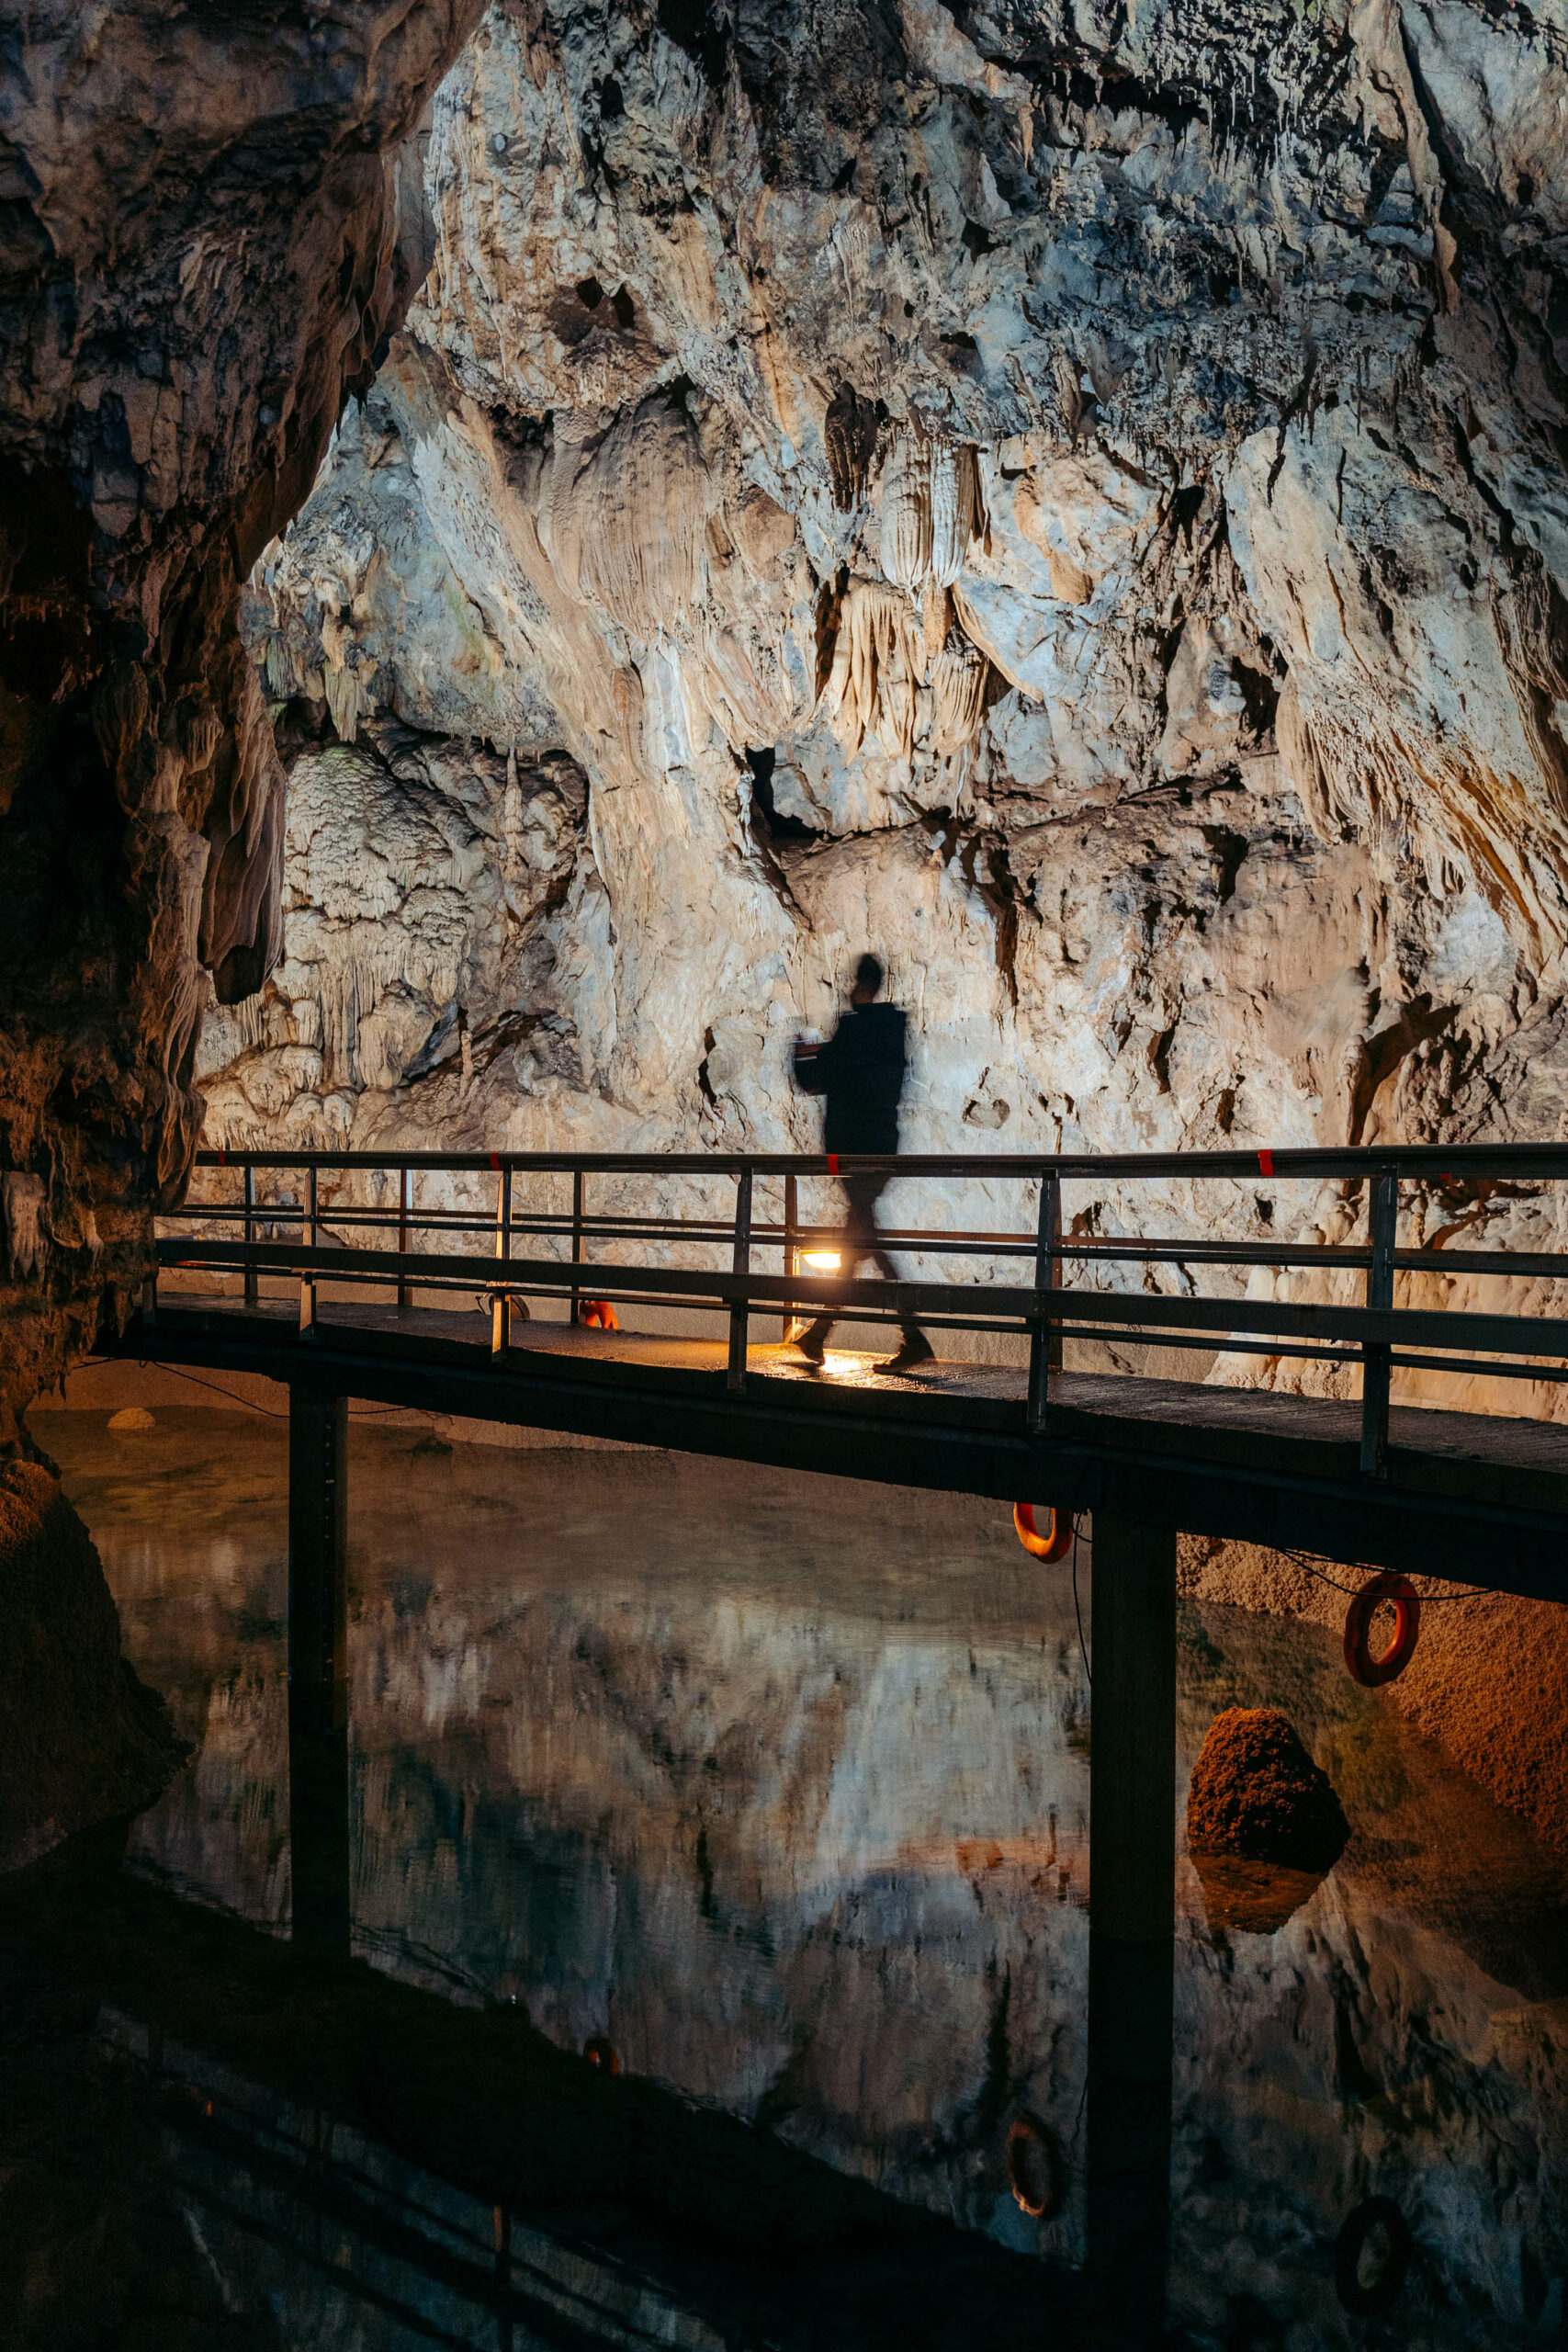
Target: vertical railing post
<point x="576" y="1241"/>
<point x="501" y="1304"/>
<point x="740" y="1313"/>
<point x="308" y="1281"/>
<point x="1044" y="1338"/>
<point x="1382" y="1227"/>
<point x="402" y="1237"/>
<point x="253" y="1288"/>
<point x="790" y="1252"/>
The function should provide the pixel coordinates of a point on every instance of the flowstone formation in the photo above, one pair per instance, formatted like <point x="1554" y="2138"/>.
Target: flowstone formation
<point x="208" y="230"/>
<point x="1075" y="503"/>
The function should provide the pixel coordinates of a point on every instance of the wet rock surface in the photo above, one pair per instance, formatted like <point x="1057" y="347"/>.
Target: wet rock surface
<point x="82" y="1737"/>
<point x="1257" y="1795"/>
<point x="1487" y="1681"/>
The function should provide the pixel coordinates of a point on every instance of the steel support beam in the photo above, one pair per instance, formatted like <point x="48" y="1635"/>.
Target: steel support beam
<point x="1132" y="1874"/>
<point x="317" y="1669"/>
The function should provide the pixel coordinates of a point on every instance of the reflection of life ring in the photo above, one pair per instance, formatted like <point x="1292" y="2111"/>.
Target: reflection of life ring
<point x="599" y="1315"/>
<point x="1363" y="2297"/>
<point x="599" y="2053"/>
<point x="1360" y="1663"/>
<point x="1036" y="2173"/>
<point x="1043" y="1530"/>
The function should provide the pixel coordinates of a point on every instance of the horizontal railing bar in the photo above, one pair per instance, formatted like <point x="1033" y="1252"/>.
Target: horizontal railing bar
<point x="1500" y="1334"/>
<point x="879" y="1316"/>
<point x="1121" y="1335"/>
<point x="1491" y="1368"/>
<point x="1537" y="1161"/>
<point x="1527" y="1264"/>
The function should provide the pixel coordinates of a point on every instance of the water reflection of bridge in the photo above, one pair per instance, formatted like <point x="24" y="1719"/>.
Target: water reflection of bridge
<point x="371" y="2164"/>
<point x="1443" y="1492"/>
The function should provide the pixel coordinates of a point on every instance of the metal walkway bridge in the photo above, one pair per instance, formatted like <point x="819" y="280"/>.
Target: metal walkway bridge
<point x="401" y="1278"/>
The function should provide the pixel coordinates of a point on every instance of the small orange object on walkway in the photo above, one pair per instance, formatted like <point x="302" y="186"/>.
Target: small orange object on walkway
<point x="599" y="1315"/>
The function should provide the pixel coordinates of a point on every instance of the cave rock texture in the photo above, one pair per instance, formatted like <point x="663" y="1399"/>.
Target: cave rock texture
<point x="209" y="222"/>
<point x="1073" y="500"/>
<point x="1256" y="1793"/>
<point x="81" y="1737"/>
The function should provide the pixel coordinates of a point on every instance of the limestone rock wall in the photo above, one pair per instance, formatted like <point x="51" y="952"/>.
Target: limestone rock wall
<point x="208" y="228"/>
<point x="1074" y="505"/>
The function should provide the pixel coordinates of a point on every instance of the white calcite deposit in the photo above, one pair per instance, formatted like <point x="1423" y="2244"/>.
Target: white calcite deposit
<point x="1075" y="508"/>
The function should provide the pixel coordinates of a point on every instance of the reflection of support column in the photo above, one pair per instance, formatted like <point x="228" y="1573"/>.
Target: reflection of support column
<point x="318" y="1668"/>
<point x="1131" y="1876"/>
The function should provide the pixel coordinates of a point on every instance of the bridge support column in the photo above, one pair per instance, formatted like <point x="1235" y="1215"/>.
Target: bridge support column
<point x="317" y="1669"/>
<point x="1132" y="1902"/>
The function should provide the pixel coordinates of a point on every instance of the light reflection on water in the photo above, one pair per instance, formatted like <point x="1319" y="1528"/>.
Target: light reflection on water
<point x="779" y="1788"/>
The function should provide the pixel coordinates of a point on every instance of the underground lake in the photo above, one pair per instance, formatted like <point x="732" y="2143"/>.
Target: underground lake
<point x="696" y="1946"/>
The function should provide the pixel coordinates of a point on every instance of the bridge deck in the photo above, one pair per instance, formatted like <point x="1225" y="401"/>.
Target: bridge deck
<point x="1483" y="1499"/>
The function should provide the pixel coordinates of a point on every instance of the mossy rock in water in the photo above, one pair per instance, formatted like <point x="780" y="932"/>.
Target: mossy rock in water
<point x="1256" y="1793"/>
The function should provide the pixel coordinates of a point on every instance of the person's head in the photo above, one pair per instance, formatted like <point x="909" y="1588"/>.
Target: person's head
<point x="868" y="979"/>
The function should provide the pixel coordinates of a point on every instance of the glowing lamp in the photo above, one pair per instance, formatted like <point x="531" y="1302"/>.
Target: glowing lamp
<point x="827" y="1261"/>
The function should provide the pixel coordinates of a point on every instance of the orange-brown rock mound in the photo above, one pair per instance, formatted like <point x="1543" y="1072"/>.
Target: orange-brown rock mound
<point x="1256" y="1793"/>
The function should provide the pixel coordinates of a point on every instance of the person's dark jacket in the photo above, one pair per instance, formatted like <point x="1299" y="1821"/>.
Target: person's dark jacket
<point x="860" y="1071"/>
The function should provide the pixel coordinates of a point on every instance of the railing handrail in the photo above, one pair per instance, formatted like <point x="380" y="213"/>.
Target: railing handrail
<point x="1012" y="1303"/>
<point x="1527" y="1160"/>
<point x="1377" y="1332"/>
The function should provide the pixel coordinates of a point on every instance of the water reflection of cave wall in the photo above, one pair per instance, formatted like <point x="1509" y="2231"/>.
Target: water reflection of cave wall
<point x="792" y="1808"/>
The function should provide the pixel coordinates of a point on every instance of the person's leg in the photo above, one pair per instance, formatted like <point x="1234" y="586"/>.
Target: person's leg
<point x="913" y="1345"/>
<point x="813" y="1342"/>
<point x="857" y="1241"/>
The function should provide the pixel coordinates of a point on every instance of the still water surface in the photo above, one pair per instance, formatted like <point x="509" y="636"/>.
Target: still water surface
<point x="773" y="1792"/>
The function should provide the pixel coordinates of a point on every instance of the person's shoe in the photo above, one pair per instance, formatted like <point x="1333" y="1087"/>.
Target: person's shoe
<point x="914" y="1348"/>
<point x="813" y="1346"/>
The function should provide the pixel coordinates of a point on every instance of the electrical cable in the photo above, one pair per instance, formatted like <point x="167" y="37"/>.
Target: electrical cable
<point x="1077" y="1613"/>
<point x="1428" y="1600"/>
<point x="247" y="1403"/>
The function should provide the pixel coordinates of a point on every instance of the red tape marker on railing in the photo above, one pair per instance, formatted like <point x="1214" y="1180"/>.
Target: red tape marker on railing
<point x="1265" y="1163"/>
<point x="832" y="1163"/>
<point x="495" y="1161"/>
<point x="222" y="1158"/>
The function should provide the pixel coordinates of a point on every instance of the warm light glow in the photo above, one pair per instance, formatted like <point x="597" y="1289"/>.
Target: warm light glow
<point x="828" y="1260"/>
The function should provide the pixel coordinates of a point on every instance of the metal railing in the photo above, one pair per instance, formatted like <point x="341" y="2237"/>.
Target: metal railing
<point x="1375" y="1334"/>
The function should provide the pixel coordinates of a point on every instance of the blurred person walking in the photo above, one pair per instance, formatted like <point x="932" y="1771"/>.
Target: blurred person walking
<point x="860" y="1070"/>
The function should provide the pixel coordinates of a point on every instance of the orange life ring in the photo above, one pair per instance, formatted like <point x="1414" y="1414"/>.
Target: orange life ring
<point x="1042" y="1530"/>
<point x="1036" y="2172"/>
<point x="600" y="2052"/>
<point x="598" y="1314"/>
<point x="1363" y="1667"/>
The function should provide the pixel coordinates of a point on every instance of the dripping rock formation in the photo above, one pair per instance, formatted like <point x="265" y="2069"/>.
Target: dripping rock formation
<point x="1079" y="507"/>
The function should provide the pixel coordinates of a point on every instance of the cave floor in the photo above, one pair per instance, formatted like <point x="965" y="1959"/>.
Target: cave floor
<point x="1480" y="1498"/>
